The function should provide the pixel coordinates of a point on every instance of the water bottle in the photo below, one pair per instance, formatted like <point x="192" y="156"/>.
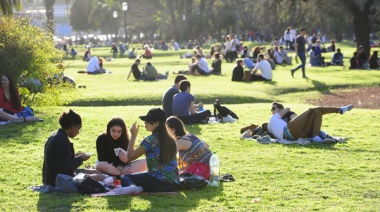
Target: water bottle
<point x="214" y="170"/>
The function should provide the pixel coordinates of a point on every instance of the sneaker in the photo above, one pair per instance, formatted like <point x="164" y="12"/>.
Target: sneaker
<point x="323" y="134"/>
<point x="304" y="77"/>
<point x="316" y="139"/>
<point x="329" y="141"/>
<point x="345" y="108"/>
<point x="292" y="72"/>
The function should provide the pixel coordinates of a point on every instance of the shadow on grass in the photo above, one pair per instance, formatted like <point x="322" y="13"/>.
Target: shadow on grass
<point x="185" y="200"/>
<point x="313" y="146"/>
<point x="60" y="202"/>
<point x="227" y="99"/>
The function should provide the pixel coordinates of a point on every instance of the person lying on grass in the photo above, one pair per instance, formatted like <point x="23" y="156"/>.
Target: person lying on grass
<point x="112" y="146"/>
<point x="160" y="151"/>
<point x="306" y="125"/>
<point x="191" y="148"/>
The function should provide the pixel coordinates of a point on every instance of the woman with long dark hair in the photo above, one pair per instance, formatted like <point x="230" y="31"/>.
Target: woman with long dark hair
<point x="191" y="148"/>
<point x="112" y="146"/>
<point x="10" y="102"/>
<point x="160" y="151"/>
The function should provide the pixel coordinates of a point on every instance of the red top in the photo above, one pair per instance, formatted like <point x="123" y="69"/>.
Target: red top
<point x="148" y="52"/>
<point x="7" y="104"/>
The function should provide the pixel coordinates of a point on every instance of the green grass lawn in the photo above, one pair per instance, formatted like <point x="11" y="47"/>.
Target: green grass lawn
<point x="316" y="177"/>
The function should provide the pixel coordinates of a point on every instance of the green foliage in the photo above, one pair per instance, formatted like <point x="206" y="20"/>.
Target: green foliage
<point x="29" y="57"/>
<point x="79" y="13"/>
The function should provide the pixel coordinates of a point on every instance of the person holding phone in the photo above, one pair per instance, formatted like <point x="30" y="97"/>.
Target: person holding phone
<point x="59" y="154"/>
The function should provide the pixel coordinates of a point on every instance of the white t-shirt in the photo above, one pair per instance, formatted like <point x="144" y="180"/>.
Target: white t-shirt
<point x="279" y="57"/>
<point x="93" y="65"/>
<point x="265" y="68"/>
<point x="203" y="65"/>
<point x="276" y="126"/>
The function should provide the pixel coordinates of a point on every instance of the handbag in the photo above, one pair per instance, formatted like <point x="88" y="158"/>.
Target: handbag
<point x="192" y="181"/>
<point x="87" y="185"/>
<point x="199" y="168"/>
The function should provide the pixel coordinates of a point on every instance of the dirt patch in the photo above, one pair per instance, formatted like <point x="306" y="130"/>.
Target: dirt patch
<point x="368" y="98"/>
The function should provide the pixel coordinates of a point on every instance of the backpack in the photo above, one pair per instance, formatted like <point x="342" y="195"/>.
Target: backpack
<point x="86" y="185"/>
<point x="192" y="181"/>
<point x="222" y="111"/>
<point x="199" y="168"/>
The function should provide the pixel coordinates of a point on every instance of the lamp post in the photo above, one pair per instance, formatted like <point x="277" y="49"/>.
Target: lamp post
<point x="125" y="8"/>
<point x="114" y="15"/>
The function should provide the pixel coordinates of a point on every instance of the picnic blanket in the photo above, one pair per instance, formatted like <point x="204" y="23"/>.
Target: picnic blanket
<point x="302" y="141"/>
<point x="112" y="193"/>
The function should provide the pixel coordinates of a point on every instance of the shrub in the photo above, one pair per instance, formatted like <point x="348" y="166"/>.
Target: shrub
<point x="28" y="55"/>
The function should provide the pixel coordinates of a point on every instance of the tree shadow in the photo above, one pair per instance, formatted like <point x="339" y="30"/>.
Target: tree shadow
<point x="59" y="202"/>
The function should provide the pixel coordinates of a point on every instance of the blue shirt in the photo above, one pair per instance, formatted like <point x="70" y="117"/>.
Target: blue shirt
<point x="181" y="103"/>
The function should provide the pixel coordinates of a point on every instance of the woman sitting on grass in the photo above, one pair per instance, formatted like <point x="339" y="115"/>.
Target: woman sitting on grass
<point x="10" y="103"/>
<point x="191" y="148"/>
<point x="112" y="146"/>
<point x="59" y="156"/>
<point x="306" y="125"/>
<point x="160" y="151"/>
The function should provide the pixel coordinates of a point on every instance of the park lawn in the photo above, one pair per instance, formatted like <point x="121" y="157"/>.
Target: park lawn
<point x="341" y="177"/>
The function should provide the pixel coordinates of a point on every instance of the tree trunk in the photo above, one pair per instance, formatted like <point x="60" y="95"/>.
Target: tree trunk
<point x="49" y="5"/>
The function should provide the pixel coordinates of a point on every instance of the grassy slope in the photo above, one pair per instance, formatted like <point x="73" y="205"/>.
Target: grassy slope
<point x="343" y="177"/>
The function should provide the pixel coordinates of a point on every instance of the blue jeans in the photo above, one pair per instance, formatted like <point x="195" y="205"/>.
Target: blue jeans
<point x="302" y="57"/>
<point x="148" y="182"/>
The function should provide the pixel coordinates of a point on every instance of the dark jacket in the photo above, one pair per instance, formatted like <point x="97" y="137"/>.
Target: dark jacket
<point x="238" y="74"/>
<point x="59" y="158"/>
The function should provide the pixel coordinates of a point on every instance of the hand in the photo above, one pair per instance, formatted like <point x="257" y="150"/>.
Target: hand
<point x="126" y="170"/>
<point x="123" y="156"/>
<point x="135" y="129"/>
<point x="200" y="104"/>
<point x="85" y="157"/>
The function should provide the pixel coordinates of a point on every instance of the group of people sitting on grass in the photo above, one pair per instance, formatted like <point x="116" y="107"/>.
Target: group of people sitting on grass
<point x="158" y="172"/>
<point x="360" y="60"/>
<point x="148" y="73"/>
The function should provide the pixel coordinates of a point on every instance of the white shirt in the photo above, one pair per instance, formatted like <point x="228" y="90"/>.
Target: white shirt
<point x="203" y="65"/>
<point x="279" y="57"/>
<point x="288" y="36"/>
<point x="93" y="65"/>
<point x="265" y="68"/>
<point x="176" y="46"/>
<point x="276" y="126"/>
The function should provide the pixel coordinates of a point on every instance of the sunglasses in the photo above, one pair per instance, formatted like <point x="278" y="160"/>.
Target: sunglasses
<point x="274" y="108"/>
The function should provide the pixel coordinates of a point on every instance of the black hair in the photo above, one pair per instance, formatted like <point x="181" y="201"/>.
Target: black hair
<point x="278" y="105"/>
<point x="179" y="78"/>
<point x="217" y="55"/>
<point x="313" y="48"/>
<point x="238" y="62"/>
<point x="124" y="137"/>
<point x="184" y="84"/>
<point x="70" y="119"/>
<point x="137" y="60"/>
<point x="15" y="98"/>
<point x="177" y="124"/>
<point x="261" y="56"/>
<point x="167" y="143"/>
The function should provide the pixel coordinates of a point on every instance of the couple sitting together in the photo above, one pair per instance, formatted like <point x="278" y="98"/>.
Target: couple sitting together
<point x="179" y="102"/>
<point x="286" y="125"/>
<point x="158" y="172"/>
<point x="149" y="73"/>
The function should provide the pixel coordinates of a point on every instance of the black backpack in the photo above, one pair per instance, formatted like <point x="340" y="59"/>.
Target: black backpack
<point x="86" y="185"/>
<point x="222" y="111"/>
<point x="191" y="181"/>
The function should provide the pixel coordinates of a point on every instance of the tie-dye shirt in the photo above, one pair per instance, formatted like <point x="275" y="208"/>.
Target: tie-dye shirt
<point x="165" y="172"/>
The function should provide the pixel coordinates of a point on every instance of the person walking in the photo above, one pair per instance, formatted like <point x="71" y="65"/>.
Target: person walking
<point x="300" y="52"/>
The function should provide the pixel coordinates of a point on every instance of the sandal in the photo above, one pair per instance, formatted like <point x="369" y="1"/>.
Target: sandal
<point x="227" y="178"/>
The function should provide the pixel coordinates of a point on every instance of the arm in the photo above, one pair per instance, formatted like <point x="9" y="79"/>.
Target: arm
<point x="192" y="107"/>
<point x="65" y="160"/>
<point x="133" y="153"/>
<point x="101" y="148"/>
<point x="183" y="144"/>
<point x="296" y="47"/>
<point x="130" y="71"/>
<point x="283" y="111"/>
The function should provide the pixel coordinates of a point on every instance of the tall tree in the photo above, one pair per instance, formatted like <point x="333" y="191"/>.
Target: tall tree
<point x="6" y="6"/>
<point x="49" y="5"/>
<point x="361" y="20"/>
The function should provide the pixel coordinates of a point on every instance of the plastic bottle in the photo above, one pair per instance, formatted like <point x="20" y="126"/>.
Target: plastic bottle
<point x="117" y="184"/>
<point x="214" y="170"/>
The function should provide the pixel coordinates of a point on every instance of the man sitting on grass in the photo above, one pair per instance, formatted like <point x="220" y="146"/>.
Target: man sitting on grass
<point x="265" y="68"/>
<point x="185" y="108"/>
